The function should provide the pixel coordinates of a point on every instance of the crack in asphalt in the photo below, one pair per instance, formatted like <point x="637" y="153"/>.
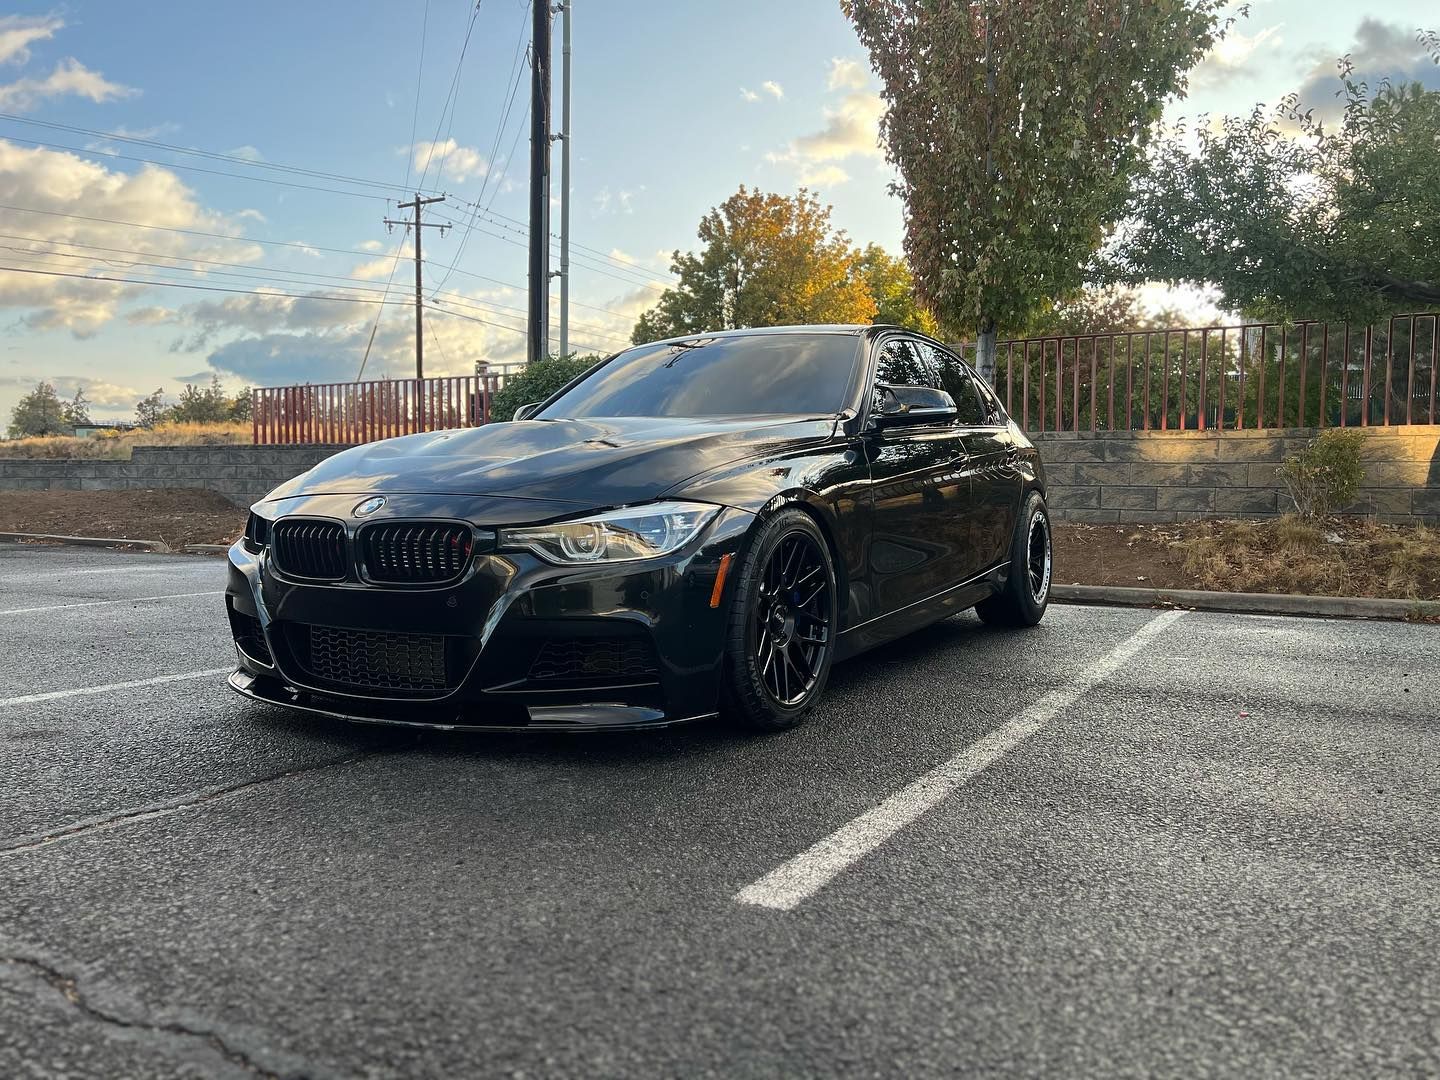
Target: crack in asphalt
<point x="164" y="808"/>
<point x="69" y="988"/>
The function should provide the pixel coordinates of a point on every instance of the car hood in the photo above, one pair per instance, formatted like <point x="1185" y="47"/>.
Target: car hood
<point x="610" y="461"/>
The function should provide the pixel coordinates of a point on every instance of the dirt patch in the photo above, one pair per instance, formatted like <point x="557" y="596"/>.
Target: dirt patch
<point x="175" y="517"/>
<point x="1339" y="557"/>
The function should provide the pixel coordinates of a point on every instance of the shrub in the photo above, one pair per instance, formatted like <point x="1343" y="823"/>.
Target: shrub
<point x="1326" y="475"/>
<point x="537" y="382"/>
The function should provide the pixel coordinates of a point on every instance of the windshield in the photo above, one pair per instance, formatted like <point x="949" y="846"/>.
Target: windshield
<point x="808" y="374"/>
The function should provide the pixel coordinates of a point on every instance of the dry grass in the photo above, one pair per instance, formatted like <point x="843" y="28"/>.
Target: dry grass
<point x="1340" y="557"/>
<point x="117" y="446"/>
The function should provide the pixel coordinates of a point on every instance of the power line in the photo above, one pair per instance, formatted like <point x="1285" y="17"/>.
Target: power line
<point x="199" y="168"/>
<point x="135" y="140"/>
<point x="201" y="288"/>
<point x="449" y="104"/>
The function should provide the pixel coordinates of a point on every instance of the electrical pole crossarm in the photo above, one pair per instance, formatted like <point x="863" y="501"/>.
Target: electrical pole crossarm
<point x="415" y="204"/>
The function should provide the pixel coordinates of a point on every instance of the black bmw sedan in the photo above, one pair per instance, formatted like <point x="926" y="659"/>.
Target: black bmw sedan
<point x="696" y="526"/>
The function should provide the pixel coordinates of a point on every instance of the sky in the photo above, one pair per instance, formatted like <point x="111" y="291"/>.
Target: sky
<point x="675" y="106"/>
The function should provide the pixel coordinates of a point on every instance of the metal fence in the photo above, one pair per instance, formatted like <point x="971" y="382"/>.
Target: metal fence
<point x="1251" y="375"/>
<point x="361" y="412"/>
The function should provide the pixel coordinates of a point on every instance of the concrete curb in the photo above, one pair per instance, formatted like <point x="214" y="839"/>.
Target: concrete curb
<point x="86" y="541"/>
<point x="1333" y="607"/>
<point x="207" y="549"/>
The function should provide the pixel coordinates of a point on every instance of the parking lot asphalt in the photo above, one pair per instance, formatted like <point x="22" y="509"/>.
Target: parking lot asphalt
<point x="1123" y="843"/>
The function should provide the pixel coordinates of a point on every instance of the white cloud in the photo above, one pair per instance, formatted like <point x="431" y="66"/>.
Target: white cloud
<point x="1236" y="56"/>
<point x="67" y="183"/>
<point x="379" y="268"/>
<point x="246" y="153"/>
<point x="773" y="88"/>
<point x="748" y="95"/>
<point x="824" y="176"/>
<point x="371" y="245"/>
<point x="851" y="129"/>
<point x="149" y="316"/>
<point x="18" y="32"/>
<point x="847" y="75"/>
<point x="69" y="77"/>
<point x="456" y="162"/>
<point x="105" y="395"/>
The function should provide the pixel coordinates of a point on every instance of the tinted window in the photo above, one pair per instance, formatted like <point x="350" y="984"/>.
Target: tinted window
<point x="901" y="363"/>
<point x="956" y="381"/>
<point x="808" y="374"/>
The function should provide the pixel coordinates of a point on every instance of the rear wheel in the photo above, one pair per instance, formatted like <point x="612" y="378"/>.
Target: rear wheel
<point x="1027" y="592"/>
<point x="781" y="635"/>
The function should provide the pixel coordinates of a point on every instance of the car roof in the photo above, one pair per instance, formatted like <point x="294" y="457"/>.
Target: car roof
<point x="771" y="331"/>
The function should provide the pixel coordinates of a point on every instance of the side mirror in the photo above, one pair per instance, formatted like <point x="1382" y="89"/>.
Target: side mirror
<point x="524" y="412"/>
<point x="897" y="405"/>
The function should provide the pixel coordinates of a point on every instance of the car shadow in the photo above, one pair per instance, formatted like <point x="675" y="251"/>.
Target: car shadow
<point x="598" y="748"/>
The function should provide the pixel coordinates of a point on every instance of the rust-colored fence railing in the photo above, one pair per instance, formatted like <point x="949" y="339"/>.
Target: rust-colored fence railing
<point x="1253" y="375"/>
<point x="361" y="412"/>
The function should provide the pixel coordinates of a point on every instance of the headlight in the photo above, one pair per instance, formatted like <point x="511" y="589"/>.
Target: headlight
<point x="637" y="532"/>
<point x="257" y="533"/>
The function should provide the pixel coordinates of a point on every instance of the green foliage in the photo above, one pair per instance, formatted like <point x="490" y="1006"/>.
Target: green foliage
<point x="77" y="409"/>
<point x="1015" y="128"/>
<point x="1326" y="475"/>
<point x="537" y="381"/>
<point x="150" y="410"/>
<point x="1099" y="311"/>
<point x="40" y="412"/>
<point x="1341" y="224"/>
<point x="210" y="405"/>
<point x="893" y="288"/>
<point x="766" y="260"/>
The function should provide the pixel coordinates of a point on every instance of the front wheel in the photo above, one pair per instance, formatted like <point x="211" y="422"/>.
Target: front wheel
<point x="1026" y="594"/>
<point x="781" y="635"/>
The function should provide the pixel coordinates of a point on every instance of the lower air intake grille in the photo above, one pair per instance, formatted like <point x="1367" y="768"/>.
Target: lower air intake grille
<point x="309" y="549"/>
<point x="592" y="658"/>
<point x="372" y="659"/>
<point x="250" y="638"/>
<point x="415" y="553"/>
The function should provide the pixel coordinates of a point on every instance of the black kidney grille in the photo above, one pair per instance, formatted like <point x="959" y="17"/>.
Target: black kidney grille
<point x="591" y="658"/>
<point x="415" y="553"/>
<point x="374" y="659"/>
<point x="311" y="549"/>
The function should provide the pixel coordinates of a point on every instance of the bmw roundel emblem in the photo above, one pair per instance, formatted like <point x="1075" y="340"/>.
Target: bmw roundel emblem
<point x="369" y="506"/>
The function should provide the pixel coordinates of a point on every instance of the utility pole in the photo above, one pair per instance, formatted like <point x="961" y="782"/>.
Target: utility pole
<point x="564" y="8"/>
<point x="539" y="314"/>
<point x="415" y="204"/>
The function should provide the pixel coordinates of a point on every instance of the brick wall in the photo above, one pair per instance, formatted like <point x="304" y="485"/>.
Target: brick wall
<point x="241" y="473"/>
<point x="1155" y="476"/>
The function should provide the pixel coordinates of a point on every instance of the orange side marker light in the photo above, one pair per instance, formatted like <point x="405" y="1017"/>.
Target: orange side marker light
<point x="720" y="580"/>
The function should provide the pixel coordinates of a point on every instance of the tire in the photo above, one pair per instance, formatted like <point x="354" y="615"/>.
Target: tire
<point x="780" y="639"/>
<point x="1026" y="595"/>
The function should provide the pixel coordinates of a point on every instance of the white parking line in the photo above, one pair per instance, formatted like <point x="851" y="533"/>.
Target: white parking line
<point x="102" y="603"/>
<point x="789" y="884"/>
<point x="153" y="568"/>
<point x="159" y="680"/>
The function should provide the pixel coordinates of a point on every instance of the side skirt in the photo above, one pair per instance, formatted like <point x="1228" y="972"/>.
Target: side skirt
<point x="912" y="617"/>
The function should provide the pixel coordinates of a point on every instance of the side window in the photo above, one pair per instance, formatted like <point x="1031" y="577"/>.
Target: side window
<point x="955" y="380"/>
<point x="901" y="364"/>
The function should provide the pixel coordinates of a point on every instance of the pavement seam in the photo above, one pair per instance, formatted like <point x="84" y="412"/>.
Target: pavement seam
<point x="150" y="812"/>
<point x="68" y="986"/>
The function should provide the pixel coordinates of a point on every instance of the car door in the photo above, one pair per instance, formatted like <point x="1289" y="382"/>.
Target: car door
<point x="920" y="541"/>
<point x="995" y="480"/>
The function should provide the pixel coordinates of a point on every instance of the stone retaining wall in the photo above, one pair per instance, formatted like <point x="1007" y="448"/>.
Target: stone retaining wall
<point x="1155" y="476"/>
<point x="241" y="473"/>
<point x="1097" y="477"/>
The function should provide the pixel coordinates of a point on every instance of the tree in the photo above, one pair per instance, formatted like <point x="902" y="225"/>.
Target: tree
<point x="149" y="411"/>
<point x="40" y="412"/>
<point x="1100" y="311"/>
<point x="537" y="381"/>
<point x="893" y="288"/>
<point x="1015" y="127"/>
<point x="767" y="260"/>
<point x="1341" y="224"/>
<point x="77" y="410"/>
<point x="241" y="406"/>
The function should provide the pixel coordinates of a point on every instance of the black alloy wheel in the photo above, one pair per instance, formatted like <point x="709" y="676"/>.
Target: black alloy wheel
<point x="782" y="627"/>
<point x="1023" y="600"/>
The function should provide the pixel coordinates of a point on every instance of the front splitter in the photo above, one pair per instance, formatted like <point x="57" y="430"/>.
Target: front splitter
<point x="574" y="718"/>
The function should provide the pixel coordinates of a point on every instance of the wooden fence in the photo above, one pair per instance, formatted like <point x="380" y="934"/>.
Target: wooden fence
<point x="360" y="412"/>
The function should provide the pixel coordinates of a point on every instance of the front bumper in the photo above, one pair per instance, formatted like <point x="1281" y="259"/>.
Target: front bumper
<point x="520" y="639"/>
